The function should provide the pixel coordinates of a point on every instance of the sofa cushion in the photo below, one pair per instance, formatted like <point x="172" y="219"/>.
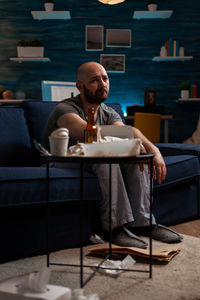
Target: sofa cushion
<point x="15" y="147"/>
<point x="37" y="113"/>
<point x="179" y="149"/>
<point x="29" y="185"/>
<point x="117" y="107"/>
<point x="179" y="169"/>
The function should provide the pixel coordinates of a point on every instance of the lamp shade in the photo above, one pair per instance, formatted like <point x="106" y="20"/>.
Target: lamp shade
<point x="111" y="2"/>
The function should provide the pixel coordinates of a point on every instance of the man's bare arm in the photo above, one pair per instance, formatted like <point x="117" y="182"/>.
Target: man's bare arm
<point x="74" y="124"/>
<point x="159" y="163"/>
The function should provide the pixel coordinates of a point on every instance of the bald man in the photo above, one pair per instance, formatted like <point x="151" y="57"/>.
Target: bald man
<point x="130" y="194"/>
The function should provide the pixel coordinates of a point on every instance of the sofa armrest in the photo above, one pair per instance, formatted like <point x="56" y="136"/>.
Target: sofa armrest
<point x="168" y="149"/>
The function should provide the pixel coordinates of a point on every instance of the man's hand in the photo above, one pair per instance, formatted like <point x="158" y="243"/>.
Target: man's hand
<point x="160" y="170"/>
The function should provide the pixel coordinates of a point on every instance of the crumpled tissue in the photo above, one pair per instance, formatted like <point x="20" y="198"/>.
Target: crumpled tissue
<point x="36" y="281"/>
<point x="113" y="267"/>
<point x="78" y="294"/>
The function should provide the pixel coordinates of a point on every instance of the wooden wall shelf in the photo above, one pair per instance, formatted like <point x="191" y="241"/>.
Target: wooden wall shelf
<point x="181" y="100"/>
<point x="158" y="14"/>
<point x="11" y="100"/>
<point x="30" y="59"/>
<point x="171" y="58"/>
<point x="51" y="15"/>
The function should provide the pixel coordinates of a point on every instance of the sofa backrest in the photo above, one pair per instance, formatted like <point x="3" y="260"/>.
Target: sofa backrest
<point x="117" y="107"/>
<point x="37" y="113"/>
<point x="15" y="144"/>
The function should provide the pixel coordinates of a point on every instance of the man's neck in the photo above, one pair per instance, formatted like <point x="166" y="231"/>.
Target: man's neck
<point x="87" y="105"/>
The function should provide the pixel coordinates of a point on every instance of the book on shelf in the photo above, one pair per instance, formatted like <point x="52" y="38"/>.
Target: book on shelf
<point x="167" y="47"/>
<point x="172" y="47"/>
<point x="177" y="48"/>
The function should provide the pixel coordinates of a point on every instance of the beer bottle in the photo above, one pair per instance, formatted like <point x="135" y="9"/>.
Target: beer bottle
<point x="91" y="129"/>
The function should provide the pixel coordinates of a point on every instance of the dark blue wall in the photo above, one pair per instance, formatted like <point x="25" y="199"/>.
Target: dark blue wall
<point x="65" y="46"/>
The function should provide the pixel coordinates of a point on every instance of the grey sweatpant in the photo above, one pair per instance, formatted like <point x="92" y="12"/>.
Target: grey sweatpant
<point x="130" y="194"/>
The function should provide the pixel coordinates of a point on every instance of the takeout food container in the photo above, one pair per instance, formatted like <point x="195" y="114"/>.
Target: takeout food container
<point x="115" y="148"/>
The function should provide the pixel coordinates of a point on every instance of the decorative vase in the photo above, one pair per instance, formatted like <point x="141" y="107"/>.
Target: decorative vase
<point x="184" y="93"/>
<point x="163" y="51"/>
<point x="20" y="95"/>
<point x="48" y="6"/>
<point x="152" y="7"/>
<point x="181" y="51"/>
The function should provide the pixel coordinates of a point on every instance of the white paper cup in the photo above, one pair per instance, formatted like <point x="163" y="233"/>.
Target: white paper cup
<point x="58" y="142"/>
<point x="58" y="146"/>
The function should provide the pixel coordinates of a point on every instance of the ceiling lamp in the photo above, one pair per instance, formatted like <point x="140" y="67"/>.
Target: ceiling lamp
<point x="111" y="2"/>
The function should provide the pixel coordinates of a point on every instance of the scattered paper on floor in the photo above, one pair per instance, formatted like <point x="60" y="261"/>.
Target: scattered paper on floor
<point x="160" y="253"/>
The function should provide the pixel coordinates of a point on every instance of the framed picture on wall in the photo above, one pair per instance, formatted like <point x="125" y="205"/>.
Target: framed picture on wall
<point x="118" y="38"/>
<point x="113" y="63"/>
<point x="94" y="37"/>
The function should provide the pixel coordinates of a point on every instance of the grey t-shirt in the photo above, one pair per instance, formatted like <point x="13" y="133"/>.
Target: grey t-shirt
<point x="106" y="116"/>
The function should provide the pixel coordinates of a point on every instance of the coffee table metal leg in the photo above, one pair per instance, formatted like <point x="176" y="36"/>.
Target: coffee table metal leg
<point x="47" y="215"/>
<point x="81" y="225"/>
<point x="151" y="211"/>
<point x="110" y="210"/>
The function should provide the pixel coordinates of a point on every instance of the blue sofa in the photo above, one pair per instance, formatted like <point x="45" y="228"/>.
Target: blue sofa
<point x="23" y="189"/>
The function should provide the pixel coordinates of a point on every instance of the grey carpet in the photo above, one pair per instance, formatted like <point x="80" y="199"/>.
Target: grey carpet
<point x="177" y="280"/>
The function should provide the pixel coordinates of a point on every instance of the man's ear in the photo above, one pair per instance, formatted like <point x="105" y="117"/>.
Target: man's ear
<point x="79" y="85"/>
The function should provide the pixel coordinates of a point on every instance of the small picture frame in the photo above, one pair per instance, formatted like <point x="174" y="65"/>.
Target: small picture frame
<point x="94" y="37"/>
<point x="150" y="97"/>
<point x="113" y="63"/>
<point x="118" y="38"/>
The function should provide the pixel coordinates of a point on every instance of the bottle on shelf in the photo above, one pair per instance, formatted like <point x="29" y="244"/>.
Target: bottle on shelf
<point x="194" y="91"/>
<point x="91" y="129"/>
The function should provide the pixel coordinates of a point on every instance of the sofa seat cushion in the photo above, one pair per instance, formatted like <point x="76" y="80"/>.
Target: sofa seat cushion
<point x="15" y="147"/>
<point x="27" y="186"/>
<point x="179" y="149"/>
<point x="179" y="169"/>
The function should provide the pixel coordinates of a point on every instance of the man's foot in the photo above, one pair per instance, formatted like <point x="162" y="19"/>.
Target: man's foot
<point x="159" y="232"/>
<point x="123" y="237"/>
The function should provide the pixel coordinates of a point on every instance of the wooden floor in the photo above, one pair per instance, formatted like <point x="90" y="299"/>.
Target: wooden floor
<point x="190" y="228"/>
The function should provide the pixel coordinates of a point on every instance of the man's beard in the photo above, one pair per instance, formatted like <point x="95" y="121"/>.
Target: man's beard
<point x="94" y="99"/>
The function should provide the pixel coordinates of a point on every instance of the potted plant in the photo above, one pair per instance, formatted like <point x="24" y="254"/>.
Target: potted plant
<point x="152" y="5"/>
<point x="184" y="88"/>
<point x="48" y="5"/>
<point x="30" y="48"/>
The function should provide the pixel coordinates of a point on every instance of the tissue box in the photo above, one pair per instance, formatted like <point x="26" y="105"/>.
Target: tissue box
<point x="9" y="291"/>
